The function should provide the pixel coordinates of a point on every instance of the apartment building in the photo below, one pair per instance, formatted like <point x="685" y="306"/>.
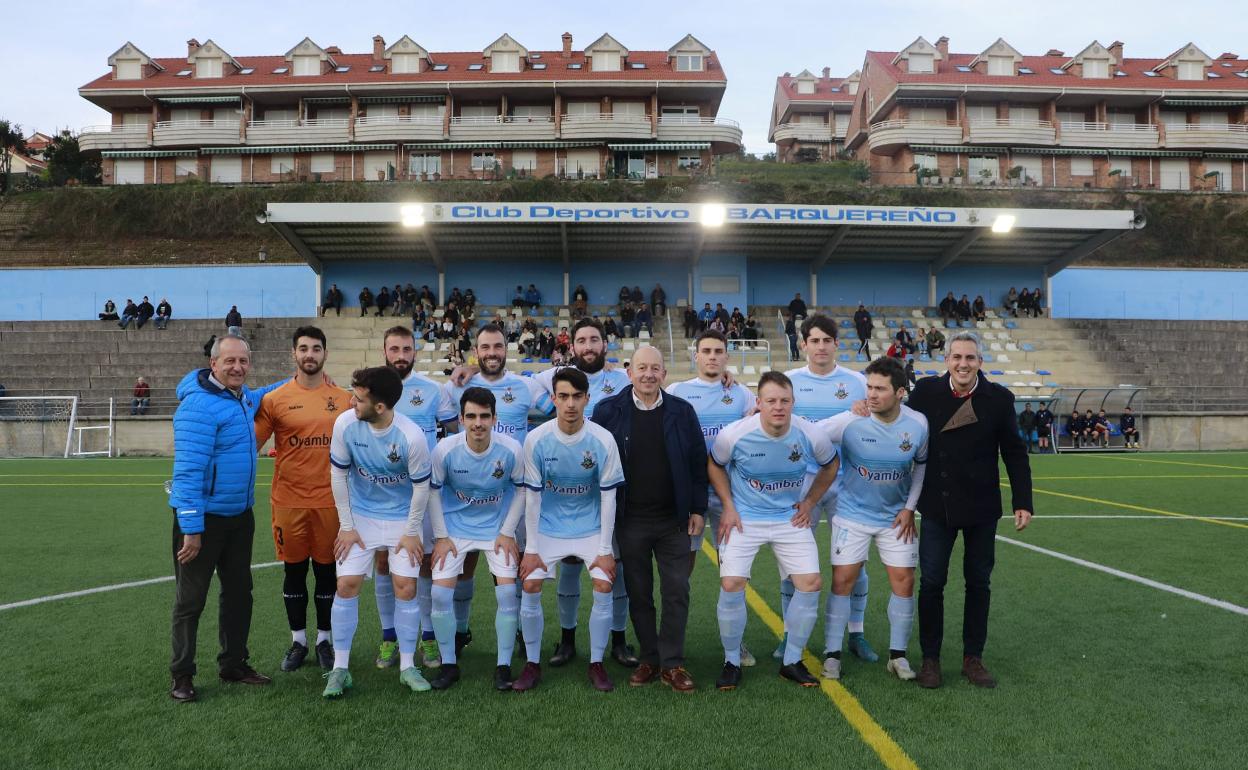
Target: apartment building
<point x="811" y="113"/>
<point x="404" y="112"/>
<point x="1094" y="119"/>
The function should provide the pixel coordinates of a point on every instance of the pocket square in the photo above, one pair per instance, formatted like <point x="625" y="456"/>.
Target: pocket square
<point x="961" y="418"/>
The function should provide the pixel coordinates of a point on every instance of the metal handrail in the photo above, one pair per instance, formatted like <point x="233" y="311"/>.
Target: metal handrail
<point x="1232" y="128"/>
<point x="910" y="123"/>
<point x="130" y="128"/>
<point x="1009" y="123"/>
<point x="494" y="120"/>
<point x="608" y="117"/>
<point x="695" y="120"/>
<point x="398" y="120"/>
<point x="228" y="123"/>
<point x="1127" y="128"/>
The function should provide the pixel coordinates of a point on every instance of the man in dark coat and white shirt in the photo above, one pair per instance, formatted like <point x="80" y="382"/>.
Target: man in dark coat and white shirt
<point x="972" y="422"/>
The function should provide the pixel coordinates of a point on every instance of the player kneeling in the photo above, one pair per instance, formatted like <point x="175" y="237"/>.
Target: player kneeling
<point x="883" y="456"/>
<point x="380" y="478"/>
<point x="475" y="477"/>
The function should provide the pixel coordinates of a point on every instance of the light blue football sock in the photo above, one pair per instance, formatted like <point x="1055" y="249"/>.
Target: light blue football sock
<point x="443" y="616"/>
<point x="532" y="623"/>
<point x="505" y="621"/>
<point x="900" y="619"/>
<point x="568" y="593"/>
<point x="407" y="624"/>
<point x="344" y="616"/>
<point x="834" y="621"/>
<point x="619" y="600"/>
<point x="786" y="595"/>
<point x="600" y="625"/>
<point x="732" y="615"/>
<point x="799" y="621"/>
<point x="383" y="589"/>
<point x="424" y="594"/>
<point x="858" y="602"/>
<point x="464" y="590"/>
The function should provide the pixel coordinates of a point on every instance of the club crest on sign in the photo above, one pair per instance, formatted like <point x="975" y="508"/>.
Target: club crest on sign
<point x="587" y="462"/>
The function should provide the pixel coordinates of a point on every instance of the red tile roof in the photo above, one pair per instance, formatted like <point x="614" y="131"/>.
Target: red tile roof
<point x="1041" y="65"/>
<point x="823" y="90"/>
<point x="657" y="67"/>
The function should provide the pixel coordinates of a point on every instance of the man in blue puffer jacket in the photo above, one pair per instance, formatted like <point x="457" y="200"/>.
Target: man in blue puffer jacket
<point x="214" y="479"/>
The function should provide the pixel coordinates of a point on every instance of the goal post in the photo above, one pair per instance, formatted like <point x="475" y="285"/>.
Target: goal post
<point x="94" y="440"/>
<point x="37" y="426"/>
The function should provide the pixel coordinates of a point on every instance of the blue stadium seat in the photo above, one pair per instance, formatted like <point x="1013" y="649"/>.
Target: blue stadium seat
<point x="931" y="372"/>
<point x="1011" y="324"/>
<point x="861" y="358"/>
<point x="940" y="357"/>
<point x="1028" y="347"/>
<point x="548" y="312"/>
<point x="951" y="324"/>
<point x="988" y="358"/>
<point x="890" y="323"/>
<point x="843" y="358"/>
<point x="613" y="360"/>
<point x="924" y="357"/>
<point x="907" y="323"/>
<point x="996" y="373"/>
<point x="611" y="312"/>
<point x="847" y="324"/>
<point x="1044" y="372"/>
<point x="1052" y="384"/>
<point x="543" y="360"/>
<point x="613" y="346"/>
<point x="526" y="372"/>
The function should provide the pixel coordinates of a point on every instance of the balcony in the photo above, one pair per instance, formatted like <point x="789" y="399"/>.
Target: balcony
<point x="1012" y="131"/>
<point x="195" y="133"/>
<point x="112" y="137"/>
<point x="1232" y="136"/>
<point x="687" y="128"/>
<point x="324" y="131"/>
<point x="804" y="132"/>
<point x="1110" y="135"/>
<point x="501" y="128"/>
<point x="606" y="126"/>
<point x="398" y="128"/>
<point x="889" y="136"/>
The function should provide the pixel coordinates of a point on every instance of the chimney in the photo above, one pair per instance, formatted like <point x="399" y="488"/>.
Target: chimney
<point x="192" y="46"/>
<point x="567" y="45"/>
<point x="827" y="73"/>
<point x="1228" y="56"/>
<point x="787" y="75"/>
<point x="379" y="47"/>
<point x="1115" y="50"/>
<point x="333" y="50"/>
<point x="1054" y="52"/>
<point x="942" y="45"/>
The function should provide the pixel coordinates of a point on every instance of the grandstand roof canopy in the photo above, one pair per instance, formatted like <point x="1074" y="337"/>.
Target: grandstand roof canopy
<point x="442" y="232"/>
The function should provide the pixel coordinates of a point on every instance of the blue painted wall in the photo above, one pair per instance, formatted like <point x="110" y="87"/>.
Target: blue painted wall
<point x="200" y="291"/>
<point x="873" y="283"/>
<point x="773" y="281"/>
<point x="603" y="279"/>
<point x="992" y="281"/>
<point x="717" y="266"/>
<point x="1189" y="295"/>
<point x="353" y="276"/>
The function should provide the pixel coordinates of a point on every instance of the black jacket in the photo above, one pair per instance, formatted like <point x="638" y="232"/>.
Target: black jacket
<point x="686" y="448"/>
<point x="963" y="483"/>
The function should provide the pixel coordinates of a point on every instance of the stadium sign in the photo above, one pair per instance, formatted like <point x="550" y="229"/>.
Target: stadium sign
<point x="654" y="212"/>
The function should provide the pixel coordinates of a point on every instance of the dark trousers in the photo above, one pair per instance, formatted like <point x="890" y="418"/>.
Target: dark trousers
<point x="226" y="550"/>
<point x="935" y="548"/>
<point x="666" y="542"/>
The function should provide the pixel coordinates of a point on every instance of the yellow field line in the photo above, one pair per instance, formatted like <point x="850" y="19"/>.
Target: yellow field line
<point x="91" y="484"/>
<point x="1171" y="462"/>
<point x="890" y="753"/>
<point x="1131" y="507"/>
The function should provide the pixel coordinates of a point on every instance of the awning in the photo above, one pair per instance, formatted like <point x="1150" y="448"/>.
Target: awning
<point x="1157" y="153"/>
<point x="516" y="145"/>
<point x="957" y="148"/>
<point x="1205" y="102"/>
<point x="252" y="150"/>
<point x="1057" y="151"/>
<point x="199" y="99"/>
<point x="656" y="146"/>
<point x="148" y="153"/>
<point x="327" y="100"/>
<point x="412" y="99"/>
<point x="1227" y="155"/>
<point x="920" y="100"/>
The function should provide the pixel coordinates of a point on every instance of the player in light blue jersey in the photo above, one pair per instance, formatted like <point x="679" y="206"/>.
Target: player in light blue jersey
<point x="758" y="468"/>
<point x="717" y="406"/>
<point x="882" y="457"/>
<point x="572" y="469"/>
<point x="478" y="499"/>
<point x="423" y="403"/>
<point x="589" y="356"/>
<point x="379" y="473"/>
<point x="823" y="389"/>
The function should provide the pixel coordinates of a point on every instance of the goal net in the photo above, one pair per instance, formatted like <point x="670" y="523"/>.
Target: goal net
<point x="37" y="426"/>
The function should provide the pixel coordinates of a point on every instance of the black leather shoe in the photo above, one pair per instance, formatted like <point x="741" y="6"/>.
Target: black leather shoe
<point x="325" y="654"/>
<point x="245" y="674"/>
<point x="564" y="653"/>
<point x="502" y="678"/>
<point x="294" y="657"/>
<point x="624" y="655"/>
<point x="183" y="691"/>
<point x="729" y="678"/>
<point x="797" y="672"/>
<point x="462" y="640"/>
<point x="448" y="675"/>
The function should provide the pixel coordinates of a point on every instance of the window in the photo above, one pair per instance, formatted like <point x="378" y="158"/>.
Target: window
<point x="342" y="69"/>
<point x="1000" y="65"/>
<point x="1191" y="70"/>
<point x="937" y="115"/>
<point x="135" y="119"/>
<point x="1067" y="117"/>
<point x="964" y="68"/>
<point x="281" y="70"/>
<point x="378" y="166"/>
<point x="978" y="167"/>
<point x="1057" y="70"/>
<point x="129" y="171"/>
<point x="130" y="69"/>
<point x="227" y="169"/>
<point x="185" y="167"/>
<point x="1033" y="168"/>
<point x="1214" y="118"/>
<point x="574" y="66"/>
<point x="606" y="61"/>
<point x="926" y="161"/>
<point x="524" y="161"/>
<point x="1150" y="74"/>
<point x="582" y="111"/>
<point x="380" y="111"/>
<point x="581" y="162"/>
<point x="535" y="56"/>
<point x="1024" y="114"/>
<point x="842" y="123"/>
<point x="809" y="119"/>
<point x="281" y="164"/>
<point x="332" y="113"/>
<point x="637" y="65"/>
<point x="426" y="112"/>
<point x="1243" y="74"/>
<point x="805" y="86"/>
<point x="377" y="68"/>
<point x="1222" y="168"/>
<point x="1119" y="74"/>
<point x="981" y="113"/>
<point x="183" y="74"/>
<point x="1081" y="167"/>
<point x="226" y="114"/>
<point x="479" y="113"/>
<point x="475" y="67"/>
<point x="539" y="66"/>
<point x="505" y="61"/>
<point x="689" y="161"/>
<point x="307" y="65"/>
<point x="680" y="114"/>
<point x="921" y="62"/>
<point x="1096" y="68"/>
<point x="323" y="163"/>
<point x="441" y="67"/>
<point x="208" y="68"/>
<point x="634" y="112"/>
<point x="1214" y="75"/>
<point x="482" y="161"/>
<point x="688" y="62"/>
<point x="404" y="63"/>
<point x="1026" y="71"/>
<point x="246" y="70"/>
<point x="185" y="115"/>
<point x="1121" y="165"/>
<point x="1175" y="174"/>
<point x="276" y="114"/>
<point x="1122" y="118"/>
<point x="1172" y="118"/>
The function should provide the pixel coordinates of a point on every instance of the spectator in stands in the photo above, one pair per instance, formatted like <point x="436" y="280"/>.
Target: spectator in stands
<point x="737" y="318"/>
<point x="1011" y="302"/>
<point x="146" y="311"/>
<point x="419" y="316"/>
<point x="366" y="301"/>
<point x="644" y="320"/>
<point x="1024" y="303"/>
<point x="234" y="322"/>
<point x="470" y="300"/>
<point x="1078" y="429"/>
<point x="864" y="326"/>
<point x="546" y="343"/>
<point x="911" y="377"/>
<point x="526" y="342"/>
<point x="964" y="309"/>
<point x="627" y="319"/>
<point x="624" y="297"/>
<point x="208" y="346"/>
<point x="164" y="311"/>
<point x="511" y="328"/>
<point x="580" y="301"/>
<point x="750" y="332"/>
<point x="128" y="314"/>
<point x="733" y="333"/>
<point x="451" y="313"/>
<point x="1044" y="426"/>
<point x="1100" y="427"/>
<point x="948" y="308"/>
<point x="456" y="297"/>
<point x="935" y="340"/>
<point x="691" y="322"/>
<point x="717" y="325"/>
<point x="1027" y="426"/>
<point x="610" y="329"/>
<point x="383" y="301"/>
<point x="333" y="298"/>
<point x="110" y="312"/>
<point x="446" y="329"/>
<point x="533" y="297"/>
<point x="721" y="313"/>
<point x="978" y="309"/>
<point x="897" y="350"/>
<point x="1037" y="303"/>
<point x="411" y="299"/>
<point x="658" y="300"/>
<point x="1126" y="424"/>
<point x="429" y="300"/>
<point x="797" y="307"/>
<point x="636" y="297"/>
<point x="790" y="332"/>
<point x="517" y="297"/>
<point x="562" y="340"/>
<point x="142" y="397"/>
<point x="705" y="316"/>
<point x="904" y="338"/>
<point x="454" y="357"/>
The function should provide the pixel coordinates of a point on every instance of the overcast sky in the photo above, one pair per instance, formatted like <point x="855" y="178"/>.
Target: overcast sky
<point x="46" y="59"/>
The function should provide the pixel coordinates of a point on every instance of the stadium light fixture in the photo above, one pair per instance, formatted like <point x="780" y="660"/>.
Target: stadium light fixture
<point x="413" y="215"/>
<point x="714" y="214"/>
<point x="1003" y="223"/>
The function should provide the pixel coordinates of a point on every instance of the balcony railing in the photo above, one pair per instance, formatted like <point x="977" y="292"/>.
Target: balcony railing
<point x="689" y="128"/>
<point x="1012" y="131"/>
<point x="310" y="131"/>
<point x="493" y="127"/>
<point x="1231" y="136"/>
<point x="1109" y="135"/>
<point x="378" y="128"/>
<point x="888" y="136"/>
<point x="114" y="137"/>
<point x="192" y="132"/>
<point x="805" y="132"/>
<point x="605" y="126"/>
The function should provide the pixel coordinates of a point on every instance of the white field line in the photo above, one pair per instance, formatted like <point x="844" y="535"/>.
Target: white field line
<point x="1220" y="604"/>
<point x="1137" y="516"/>
<point x="105" y="589"/>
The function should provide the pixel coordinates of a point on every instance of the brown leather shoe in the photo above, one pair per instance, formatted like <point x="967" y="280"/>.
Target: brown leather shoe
<point x="644" y="674"/>
<point x="599" y="679"/>
<point x="975" y="673"/>
<point x="678" y="679"/>
<point x="183" y="691"/>
<point x="530" y="677"/>
<point x="244" y="674"/>
<point x="929" y="674"/>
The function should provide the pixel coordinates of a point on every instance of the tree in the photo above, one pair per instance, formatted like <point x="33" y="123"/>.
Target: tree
<point x="11" y="142"/>
<point x="807" y="155"/>
<point x="67" y="164"/>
